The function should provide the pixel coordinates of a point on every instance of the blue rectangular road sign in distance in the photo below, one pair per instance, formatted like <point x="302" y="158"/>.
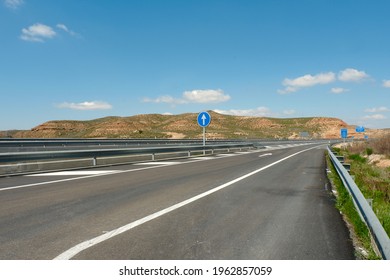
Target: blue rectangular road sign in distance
<point x="344" y="133"/>
<point x="360" y="129"/>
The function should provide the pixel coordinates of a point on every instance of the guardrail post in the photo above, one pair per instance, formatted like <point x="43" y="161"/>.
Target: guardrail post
<point x="340" y="158"/>
<point x="347" y="167"/>
<point x="94" y="161"/>
<point x="153" y="157"/>
<point x="369" y="200"/>
<point x="189" y="153"/>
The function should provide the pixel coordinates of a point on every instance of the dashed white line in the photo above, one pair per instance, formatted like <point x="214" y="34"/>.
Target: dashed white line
<point x="265" y="155"/>
<point x="203" y="158"/>
<point x="158" y="163"/>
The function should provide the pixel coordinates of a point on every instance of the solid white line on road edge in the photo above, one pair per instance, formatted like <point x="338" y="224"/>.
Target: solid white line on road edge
<point x="74" y="173"/>
<point x="67" y="255"/>
<point x="97" y="175"/>
<point x="74" y="179"/>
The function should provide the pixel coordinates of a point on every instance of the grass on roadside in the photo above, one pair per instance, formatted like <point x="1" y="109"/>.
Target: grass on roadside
<point x="359" y="230"/>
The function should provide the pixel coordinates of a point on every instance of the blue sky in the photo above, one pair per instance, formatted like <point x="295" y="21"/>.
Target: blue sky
<point x="86" y="59"/>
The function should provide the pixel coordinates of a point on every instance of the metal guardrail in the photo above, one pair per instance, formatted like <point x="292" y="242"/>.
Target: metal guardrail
<point x="50" y="142"/>
<point x="21" y="163"/>
<point x="70" y="142"/>
<point x="95" y="153"/>
<point x="379" y="234"/>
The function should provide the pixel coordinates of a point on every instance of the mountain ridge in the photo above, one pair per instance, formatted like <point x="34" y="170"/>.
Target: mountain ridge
<point x="185" y="126"/>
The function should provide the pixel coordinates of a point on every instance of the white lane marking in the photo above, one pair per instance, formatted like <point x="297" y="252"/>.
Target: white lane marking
<point x="73" y="179"/>
<point x="285" y="146"/>
<point x="91" y="176"/>
<point x="158" y="163"/>
<point x="74" y="173"/>
<point x="67" y="255"/>
<point x="119" y="171"/>
<point x="226" y="155"/>
<point x="264" y="155"/>
<point x="203" y="158"/>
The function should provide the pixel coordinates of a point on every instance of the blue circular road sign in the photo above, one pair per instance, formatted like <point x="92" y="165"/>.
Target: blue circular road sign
<point x="204" y="119"/>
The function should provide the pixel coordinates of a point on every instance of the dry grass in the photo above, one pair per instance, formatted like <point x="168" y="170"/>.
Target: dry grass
<point x="378" y="146"/>
<point x="382" y="145"/>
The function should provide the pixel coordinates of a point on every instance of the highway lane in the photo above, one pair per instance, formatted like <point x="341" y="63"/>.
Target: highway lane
<point x="281" y="211"/>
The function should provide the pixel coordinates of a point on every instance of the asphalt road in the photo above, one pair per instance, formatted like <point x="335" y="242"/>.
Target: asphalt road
<point x="270" y="204"/>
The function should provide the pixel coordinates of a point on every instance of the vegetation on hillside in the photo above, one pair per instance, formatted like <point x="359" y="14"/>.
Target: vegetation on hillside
<point x="185" y="126"/>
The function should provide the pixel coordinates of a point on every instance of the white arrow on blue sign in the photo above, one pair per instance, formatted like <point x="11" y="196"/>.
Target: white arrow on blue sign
<point x="204" y="119"/>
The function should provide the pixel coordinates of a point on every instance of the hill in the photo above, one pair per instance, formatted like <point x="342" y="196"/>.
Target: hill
<point x="185" y="126"/>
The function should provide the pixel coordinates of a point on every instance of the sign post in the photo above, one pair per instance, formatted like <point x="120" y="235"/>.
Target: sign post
<point x="360" y="129"/>
<point x="204" y="120"/>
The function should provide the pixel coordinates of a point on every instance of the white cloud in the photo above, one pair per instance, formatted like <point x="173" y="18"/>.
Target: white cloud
<point x="386" y="83"/>
<point x="352" y="75"/>
<point x="258" y="112"/>
<point x="88" y="105"/>
<point x="292" y="85"/>
<point x="308" y="80"/>
<point x="13" y="4"/>
<point x="164" y="99"/>
<point x="289" y="112"/>
<point x="66" y="29"/>
<point x="287" y="90"/>
<point x="40" y="32"/>
<point x="37" y="33"/>
<point x="378" y="109"/>
<point x="374" y="117"/>
<point x="205" y="96"/>
<point x="195" y="96"/>
<point x="339" y="90"/>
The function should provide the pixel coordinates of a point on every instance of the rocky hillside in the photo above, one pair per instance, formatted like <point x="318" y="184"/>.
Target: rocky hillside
<point x="185" y="126"/>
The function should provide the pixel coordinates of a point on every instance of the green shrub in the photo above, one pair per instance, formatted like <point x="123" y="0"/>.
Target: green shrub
<point x="357" y="158"/>
<point x="337" y="150"/>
